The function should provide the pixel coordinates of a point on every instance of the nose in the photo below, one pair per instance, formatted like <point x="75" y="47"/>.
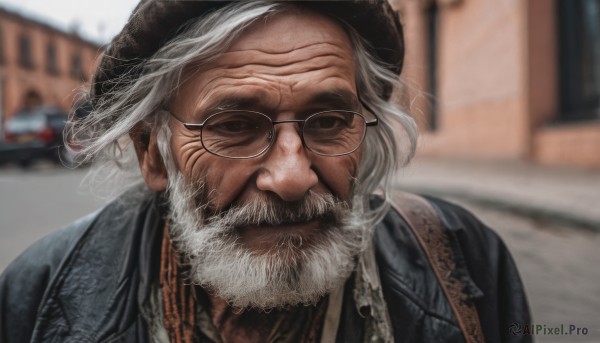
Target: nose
<point x="287" y="168"/>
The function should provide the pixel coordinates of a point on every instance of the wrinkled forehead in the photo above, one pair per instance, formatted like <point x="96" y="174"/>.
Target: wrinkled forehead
<point x="290" y="35"/>
<point x="294" y="53"/>
<point x="291" y="28"/>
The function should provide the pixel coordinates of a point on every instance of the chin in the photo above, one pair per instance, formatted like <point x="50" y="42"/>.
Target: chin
<point x="290" y="242"/>
<point x="274" y="265"/>
<point x="287" y="275"/>
<point x="291" y="269"/>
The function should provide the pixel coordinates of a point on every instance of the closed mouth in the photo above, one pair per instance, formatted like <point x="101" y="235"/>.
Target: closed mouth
<point x="284" y="226"/>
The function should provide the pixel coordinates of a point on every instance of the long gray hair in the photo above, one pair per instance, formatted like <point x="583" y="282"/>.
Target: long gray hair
<point x="104" y="134"/>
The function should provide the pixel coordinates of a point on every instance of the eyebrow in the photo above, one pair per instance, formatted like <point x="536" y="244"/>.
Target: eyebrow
<point x="231" y="102"/>
<point x="340" y="99"/>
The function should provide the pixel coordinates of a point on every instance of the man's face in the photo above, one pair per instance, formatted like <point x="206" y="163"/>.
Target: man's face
<point x="277" y="229"/>
<point x="289" y="67"/>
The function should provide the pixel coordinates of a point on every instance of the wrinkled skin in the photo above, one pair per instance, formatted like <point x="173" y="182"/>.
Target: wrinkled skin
<point x="287" y="68"/>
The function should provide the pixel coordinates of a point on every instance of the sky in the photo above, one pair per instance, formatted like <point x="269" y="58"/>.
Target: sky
<point x="96" y="20"/>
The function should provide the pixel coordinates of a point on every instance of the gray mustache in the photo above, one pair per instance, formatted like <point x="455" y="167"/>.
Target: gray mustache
<point x="264" y="210"/>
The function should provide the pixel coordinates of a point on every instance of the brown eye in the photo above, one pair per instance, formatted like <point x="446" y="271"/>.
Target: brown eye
<point x="231" y="126"/>
<point x="334" y="132"/>
<point x="329" y="121"/>
<point x="237" y="134"/>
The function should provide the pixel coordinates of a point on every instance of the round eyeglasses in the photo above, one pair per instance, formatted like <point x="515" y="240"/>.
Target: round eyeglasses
<point x="246" y="134"/>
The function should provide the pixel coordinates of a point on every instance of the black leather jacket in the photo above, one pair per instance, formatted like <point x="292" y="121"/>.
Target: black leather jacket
<point x="87" y="282"/>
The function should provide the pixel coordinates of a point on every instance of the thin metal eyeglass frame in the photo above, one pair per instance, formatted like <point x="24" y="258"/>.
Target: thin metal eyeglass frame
<point x="300" y="122"/>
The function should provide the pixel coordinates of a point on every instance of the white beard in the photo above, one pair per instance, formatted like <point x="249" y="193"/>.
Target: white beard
<point x="292" y="272"/>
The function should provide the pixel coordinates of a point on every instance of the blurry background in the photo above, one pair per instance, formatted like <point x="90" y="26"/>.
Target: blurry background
<point x="507" y="97"/>
<point x="49" y="48"/>
<point x="506" y="79"/>
<point x="506" y="94"/>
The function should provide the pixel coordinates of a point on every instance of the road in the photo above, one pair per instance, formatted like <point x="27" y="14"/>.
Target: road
<point x="559" y="265"/>
<point x="37" y="201"/>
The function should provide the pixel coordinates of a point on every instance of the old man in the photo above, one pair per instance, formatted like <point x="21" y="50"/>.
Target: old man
<point x="267" y="142"/>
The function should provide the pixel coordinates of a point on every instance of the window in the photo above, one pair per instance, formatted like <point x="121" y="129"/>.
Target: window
<point x="579" y="59"/>
<point x="25" y="53"/>
<point x="32" y="99"/>
<point x="432" y="22"/>
<point x="77" y="68"/>
<point x="51" y="61"/>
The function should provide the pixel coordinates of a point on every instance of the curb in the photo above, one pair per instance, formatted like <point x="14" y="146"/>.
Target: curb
<point x="527" y="209"/>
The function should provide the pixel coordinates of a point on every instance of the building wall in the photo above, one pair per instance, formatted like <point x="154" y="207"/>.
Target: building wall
<point x="480" y="93"/>
<point x="497" y="83"/>
<point x="56" y="89"/>
<point x="573" y="145"/>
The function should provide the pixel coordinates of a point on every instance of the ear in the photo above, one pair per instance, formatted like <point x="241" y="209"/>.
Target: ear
<point x="151" y="163"/>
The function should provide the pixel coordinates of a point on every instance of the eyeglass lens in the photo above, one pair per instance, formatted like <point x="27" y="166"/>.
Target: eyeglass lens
<point x="239" y="134"/>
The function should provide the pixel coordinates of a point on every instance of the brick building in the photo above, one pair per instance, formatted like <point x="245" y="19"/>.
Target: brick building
<point x="40" y="65"/>
<point x="510" y="79"/>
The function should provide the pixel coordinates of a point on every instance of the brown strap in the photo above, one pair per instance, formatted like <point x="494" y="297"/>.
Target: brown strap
<point x="427" y="227"/>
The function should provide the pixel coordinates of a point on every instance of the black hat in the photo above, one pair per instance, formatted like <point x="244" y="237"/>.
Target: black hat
<point x="155" y="22"/>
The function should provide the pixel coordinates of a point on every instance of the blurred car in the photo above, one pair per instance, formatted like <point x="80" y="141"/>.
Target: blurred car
<point x="34" y="134"/>
<point x="21" y="153"/>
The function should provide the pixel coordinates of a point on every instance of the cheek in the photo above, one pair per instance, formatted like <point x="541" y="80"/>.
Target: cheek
<point x="337" y="173"/>
<point x="225" y="178"/>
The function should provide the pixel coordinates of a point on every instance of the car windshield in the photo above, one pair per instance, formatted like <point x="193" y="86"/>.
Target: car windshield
<point x="26" y="123"/>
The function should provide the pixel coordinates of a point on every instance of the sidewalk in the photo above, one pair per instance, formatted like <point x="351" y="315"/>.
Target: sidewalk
<point x="547" y="193"/>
